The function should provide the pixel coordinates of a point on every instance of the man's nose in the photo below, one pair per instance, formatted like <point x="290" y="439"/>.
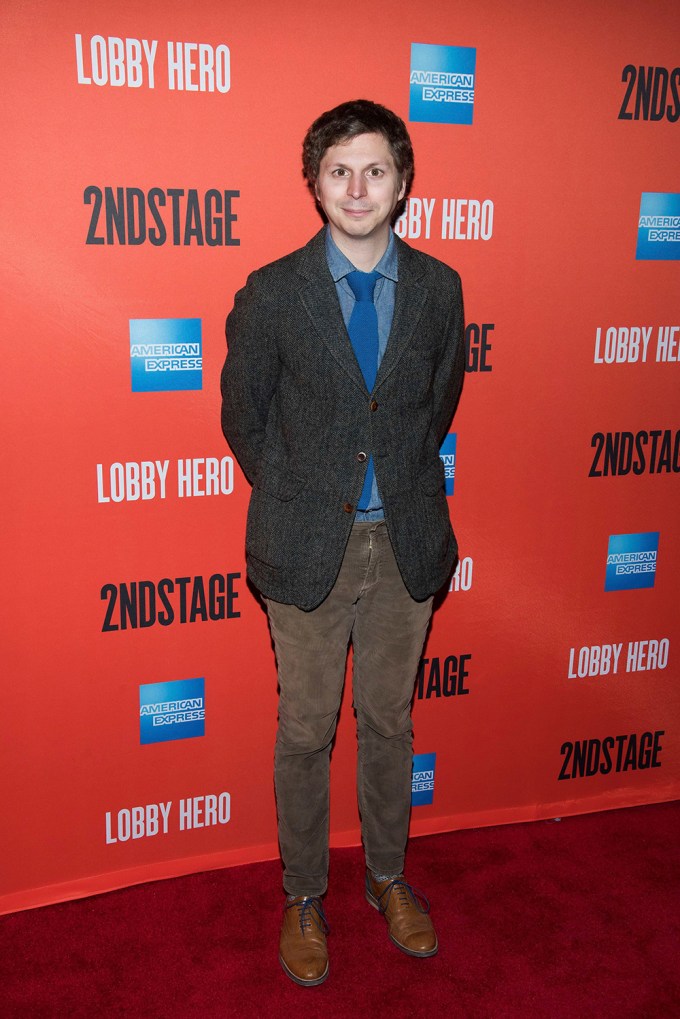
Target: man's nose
<point x="356" y="186"/>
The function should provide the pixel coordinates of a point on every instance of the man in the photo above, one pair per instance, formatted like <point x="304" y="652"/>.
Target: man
<point x="345" y="363"/>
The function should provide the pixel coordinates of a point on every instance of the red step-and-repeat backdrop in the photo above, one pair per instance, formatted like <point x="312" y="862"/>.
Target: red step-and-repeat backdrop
<point x="152" y="159"/>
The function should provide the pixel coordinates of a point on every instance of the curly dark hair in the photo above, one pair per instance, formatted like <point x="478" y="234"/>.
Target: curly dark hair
<point x="344" y="122"/>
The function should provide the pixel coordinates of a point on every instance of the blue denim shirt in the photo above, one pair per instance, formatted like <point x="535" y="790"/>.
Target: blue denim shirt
<point x="383" y="297"/>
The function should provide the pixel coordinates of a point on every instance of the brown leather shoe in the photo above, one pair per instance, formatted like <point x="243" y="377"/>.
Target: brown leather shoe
<point x="405" y="910"/>
<point x="302" y="948"/>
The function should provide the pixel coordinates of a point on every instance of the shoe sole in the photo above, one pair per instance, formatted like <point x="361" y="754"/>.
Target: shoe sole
<point x="372" y="901"/>
<point x="299" y="981"/>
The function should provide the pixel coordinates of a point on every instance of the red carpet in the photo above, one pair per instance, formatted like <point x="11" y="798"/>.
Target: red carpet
<point x="562" y="920"/>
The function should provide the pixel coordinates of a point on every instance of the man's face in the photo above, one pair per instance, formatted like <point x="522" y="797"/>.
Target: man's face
<point x="358" y="188"/>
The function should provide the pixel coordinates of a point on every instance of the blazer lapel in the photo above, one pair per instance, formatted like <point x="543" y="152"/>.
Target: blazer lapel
<point x="408" y="308"/>
<point x="320" y="300"/>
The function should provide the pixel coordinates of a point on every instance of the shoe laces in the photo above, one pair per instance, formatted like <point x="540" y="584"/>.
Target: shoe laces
<point x="405" y="894"/>
<point x="310" y="911"/>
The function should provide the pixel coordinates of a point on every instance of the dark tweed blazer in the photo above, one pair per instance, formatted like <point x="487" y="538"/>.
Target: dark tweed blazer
<point x="296" y="413"/>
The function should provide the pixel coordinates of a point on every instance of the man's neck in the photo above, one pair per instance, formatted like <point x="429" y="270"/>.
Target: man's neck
<point x="363" y="252"/>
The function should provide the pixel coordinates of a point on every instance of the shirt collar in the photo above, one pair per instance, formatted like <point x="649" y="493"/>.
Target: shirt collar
<point x="339" y="265"/>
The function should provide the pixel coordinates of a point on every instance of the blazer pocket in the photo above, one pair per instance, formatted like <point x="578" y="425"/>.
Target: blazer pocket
<point x="431" y="480"/>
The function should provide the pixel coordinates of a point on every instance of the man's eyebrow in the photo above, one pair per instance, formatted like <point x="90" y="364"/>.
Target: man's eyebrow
<point x="368" y="166"/>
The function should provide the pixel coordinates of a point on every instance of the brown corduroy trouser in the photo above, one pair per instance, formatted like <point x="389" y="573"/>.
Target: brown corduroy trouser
<point x="370" y="606"/>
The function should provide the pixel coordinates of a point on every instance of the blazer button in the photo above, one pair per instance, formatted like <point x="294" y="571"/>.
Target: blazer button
<point x="374" y="404"/>
<point x="348" y="508"/>
<point x="361" y="457"/>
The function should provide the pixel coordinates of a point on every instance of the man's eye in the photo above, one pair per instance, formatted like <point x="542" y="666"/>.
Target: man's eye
<point x="340" y="172"/>
<point x="375" y="172"/>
